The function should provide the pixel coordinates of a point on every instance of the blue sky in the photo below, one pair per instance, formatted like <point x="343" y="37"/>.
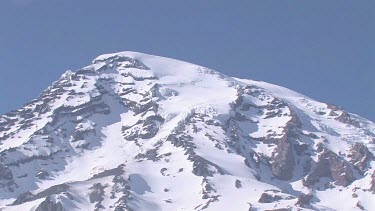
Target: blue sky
<point x="323" y="49"/>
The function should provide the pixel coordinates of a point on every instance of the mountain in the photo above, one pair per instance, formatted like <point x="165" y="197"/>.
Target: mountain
<point x="139" y="132"/>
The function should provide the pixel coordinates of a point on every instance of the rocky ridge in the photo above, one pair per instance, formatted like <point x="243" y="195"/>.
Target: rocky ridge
<point x="138" y="132"/>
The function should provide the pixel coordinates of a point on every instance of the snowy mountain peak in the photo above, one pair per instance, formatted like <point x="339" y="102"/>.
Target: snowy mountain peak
<point x="134" y="131"/>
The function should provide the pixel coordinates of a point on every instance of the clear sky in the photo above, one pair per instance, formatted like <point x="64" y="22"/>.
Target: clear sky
<point x="322" y="48"/>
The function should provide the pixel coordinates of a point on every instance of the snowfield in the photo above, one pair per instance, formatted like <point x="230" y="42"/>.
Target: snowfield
<point x="139" y="132"/>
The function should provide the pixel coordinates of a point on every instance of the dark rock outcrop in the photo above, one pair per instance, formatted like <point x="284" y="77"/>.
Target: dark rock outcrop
<point x="23" y="197"/>
<point x="268" y="198"/>
<point x="53" y="190"/>
<point x="283" y="163"/>
<point x="360" y="157"/>
<point x="372" y="187"/>
<point x="144" y="129"/>
<point x="49" y="204"/>
<point x="42" y="174"/>
<point x="97" y="195"/>
<point x="132" y="63"/>
<point x="359" y="205"/>
<point x="238" y="184"/>
<point x="151" y="154"/>
<point x="330" y="165"/>
<point x="203" y="167"/>
<point x="304" y="200"/>
<point x="151" y="126"/>
<point x="5" y="172"/>
<point x="346" y="119"/>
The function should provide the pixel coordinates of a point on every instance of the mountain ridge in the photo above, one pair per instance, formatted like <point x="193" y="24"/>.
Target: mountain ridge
<point x="126" y="131"/>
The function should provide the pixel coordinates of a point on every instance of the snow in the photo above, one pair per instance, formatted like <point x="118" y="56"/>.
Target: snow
<point x="91" y="112"/>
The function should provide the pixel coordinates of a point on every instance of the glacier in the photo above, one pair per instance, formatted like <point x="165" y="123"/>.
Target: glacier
<point x="133" y="131"/>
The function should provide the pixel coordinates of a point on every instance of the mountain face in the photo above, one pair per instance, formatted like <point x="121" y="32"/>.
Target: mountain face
<point x="138" y="132"/>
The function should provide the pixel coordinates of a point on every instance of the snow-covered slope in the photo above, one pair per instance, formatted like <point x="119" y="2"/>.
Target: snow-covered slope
<point x="138" y="132"/>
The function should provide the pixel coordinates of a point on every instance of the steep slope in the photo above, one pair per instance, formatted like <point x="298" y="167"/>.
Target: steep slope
<point x="139" y="132"/>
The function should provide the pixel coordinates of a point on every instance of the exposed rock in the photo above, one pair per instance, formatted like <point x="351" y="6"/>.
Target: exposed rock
<point x="56" y="189"/>
<point x="168" y="200"/>
<point x="133" y="63"/>
<point x="319" y="147"/>
<point x="144" y="129"/>
<point x="304" y="200"/>
<point x="97" y="195"/>
<point x="5" y="172"/>
<point x="203" y="167"/>
<point x="121" y="205"/>
<point x="141" y="107"/>
<point x="300" y="148"/>
<point x="239" y="117"/>
<point x="162" y="171"/>
<point x="115" y="172"/>
<point x="151" y="154"/>
<point x="268" y="198"/>
<point x="42" y="174"/>
<point x="208" y="192"/>
<point x="121" y="186"/>
<point x="94" y="106"/>
<point x="50" y="204"/>
<point x="360" y="157"/>
<point x="184" y="141"/>
<point x="209" y="135"/>
<point x="330" y="165"/>
<point x="359" y="205"/>
<point x="283" y="163"/>
<point x="23" y="197"/>
<point x="81" y="135"/>
<point x="372" y="187"/>
<point x="238" y="184"/>
<point x="53" y="190"/>
<point x="346" y="118"/>
<point x="151" y="126"/>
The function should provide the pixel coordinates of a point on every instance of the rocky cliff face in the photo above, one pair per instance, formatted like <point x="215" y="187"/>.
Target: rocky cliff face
<point x="140" y="132"/>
